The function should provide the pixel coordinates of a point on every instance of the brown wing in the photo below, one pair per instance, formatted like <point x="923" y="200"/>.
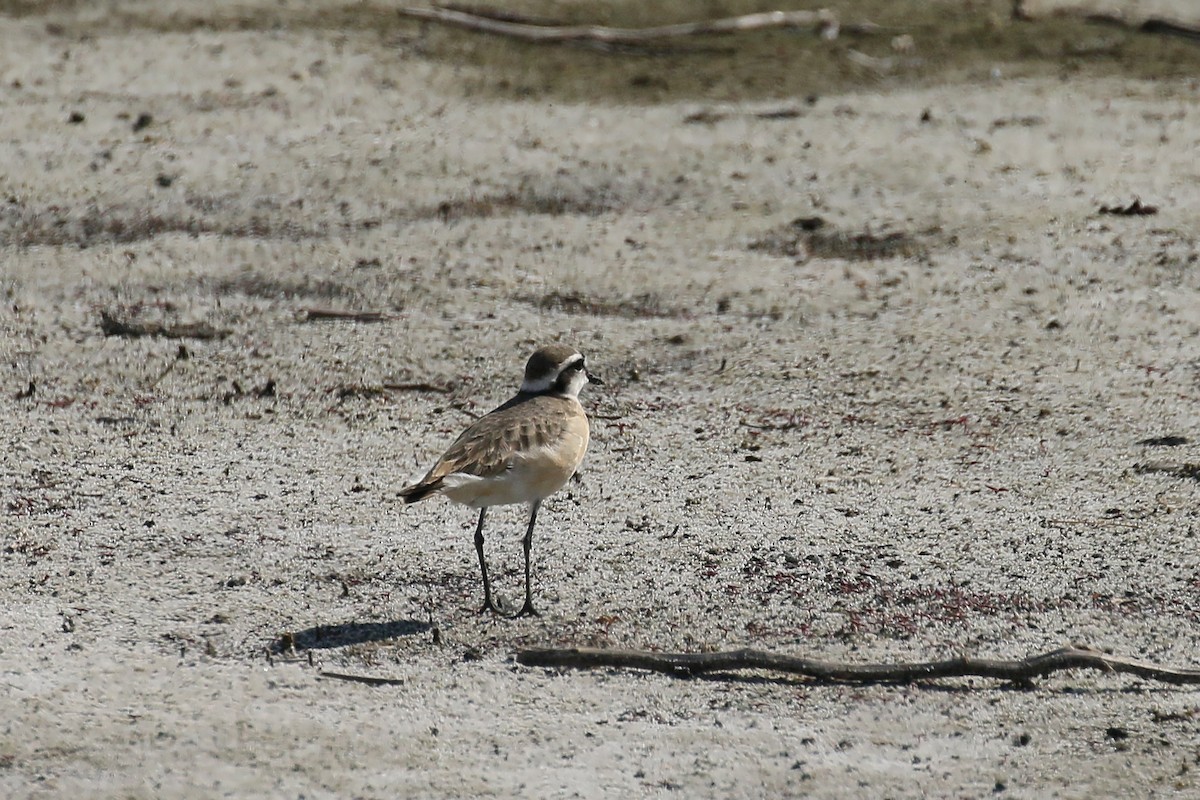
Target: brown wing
<point x="487" y="447"/>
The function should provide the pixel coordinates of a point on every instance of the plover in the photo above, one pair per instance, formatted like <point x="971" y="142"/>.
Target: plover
<point x="522" y="452"/>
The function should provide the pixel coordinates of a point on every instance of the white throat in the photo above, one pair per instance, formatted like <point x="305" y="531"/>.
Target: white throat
<point x="579" y="379"/>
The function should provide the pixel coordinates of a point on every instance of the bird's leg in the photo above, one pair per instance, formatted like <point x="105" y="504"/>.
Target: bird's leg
<point x="526" y="543"/>
<point x="488" y="605"/>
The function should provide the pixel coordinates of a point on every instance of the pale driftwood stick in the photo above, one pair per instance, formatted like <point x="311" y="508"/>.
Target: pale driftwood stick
<point x="1020" y="671"/>
<point x="823" y="21"/>
<point x="501" y="14"/>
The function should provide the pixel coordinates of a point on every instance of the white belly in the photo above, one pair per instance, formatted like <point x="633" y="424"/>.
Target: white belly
<point x="529" y="477"/>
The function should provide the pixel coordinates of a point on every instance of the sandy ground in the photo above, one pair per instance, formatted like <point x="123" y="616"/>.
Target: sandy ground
<point x="913" y="433"/>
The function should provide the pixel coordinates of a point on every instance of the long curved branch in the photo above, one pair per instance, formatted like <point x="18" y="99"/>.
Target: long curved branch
<point x="1019" y="670"/>
<point x="823" y="21"/>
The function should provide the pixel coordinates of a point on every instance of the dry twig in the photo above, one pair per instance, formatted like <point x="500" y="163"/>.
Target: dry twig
<point x="367" y="679"/>
<point x="327" y="314"/>
<point x="111" y="326"/>
<point x="1135" y="209"/>
<point x="420" y="386"/>
<point x="1178" y="469"/>
<point x="485" y="21"/>
<point x="1157" y="25"/>
<point x="1019" y="671"/>
<point x="376" y="391"/>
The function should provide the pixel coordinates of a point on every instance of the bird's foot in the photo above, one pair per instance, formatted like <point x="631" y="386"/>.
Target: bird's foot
<point x="494" y="606"/>
<point x="527" y="610"/>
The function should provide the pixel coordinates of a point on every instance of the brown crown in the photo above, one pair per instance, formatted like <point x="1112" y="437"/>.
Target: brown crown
<point x="547" y="360"/>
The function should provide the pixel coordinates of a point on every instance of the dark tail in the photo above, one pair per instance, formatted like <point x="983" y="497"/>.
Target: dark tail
<point x="419" y="491"/>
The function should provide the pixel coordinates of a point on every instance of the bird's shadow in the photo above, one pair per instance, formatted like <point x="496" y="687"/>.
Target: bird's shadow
<point x="328" y="637"/>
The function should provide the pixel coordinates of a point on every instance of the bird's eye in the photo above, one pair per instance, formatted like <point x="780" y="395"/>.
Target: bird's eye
<point x="578" y="365"/>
